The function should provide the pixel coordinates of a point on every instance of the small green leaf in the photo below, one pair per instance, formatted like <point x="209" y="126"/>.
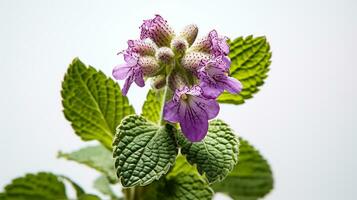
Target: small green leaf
<point x="216" y="155"/>
<point x="93" y="103"/>
<point x="79" y="190"/>
<point x="143" y="151"/>
<point x="152" y="106"/>
<point x="250" y="179"/>
<point x="97" y="157"/>
<point x="102" y="184"/>
<point x="43" y="185"/>
<point x="182" y="183"/>
<point x="250" y="60"/>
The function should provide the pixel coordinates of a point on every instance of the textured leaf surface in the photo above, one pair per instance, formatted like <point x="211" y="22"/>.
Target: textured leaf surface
<point x="250" y="64"/>
<point x="182" y="183"/>
<point x="152" y="106"/>
<point x="93" y="103"/>
<point x="250" y="179"/>
<point x="44" y="186"/>
<point x="216" y="155"/>
<point x="102" y="184"/>
<point x="97" y="157"/>
<point x="143" y="151"/>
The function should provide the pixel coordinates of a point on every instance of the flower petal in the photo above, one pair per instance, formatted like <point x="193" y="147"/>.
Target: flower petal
<point x="139" y="79"/>
<point x="127" y="85"/>
<point x="120" y="72"/>
<point x="209" y="106"/>
<point x="232" y="85"/>
<point x="194" y="123"/>
<point x="171" y="111"/>
<point x="210" y="91"/>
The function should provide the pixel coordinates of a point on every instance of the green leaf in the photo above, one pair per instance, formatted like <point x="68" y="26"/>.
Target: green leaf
<point x="250" y="64"/>
<point x="143" y="151"/>
<point x="152" y="106"/>
<point x="102" y="184"/>
<point x="216" y="155"/>
<point x="250" y="179"/>
<point x="97" y="157"/>
<point x="79" y="190"/>
<point x="182" y="183"/>
<point x="89" y="197"/>
<point x="43" y="185"/>
<point x="93" y="103"/>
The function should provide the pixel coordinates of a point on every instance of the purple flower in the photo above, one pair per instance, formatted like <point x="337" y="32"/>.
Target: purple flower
<point x="157" y="30"/>
<point x="192" y="110"/>
<point x="130" y="70"/>
<point x="219" y="45"/>
<point x="214" y="77"/>
<point x="212" y="44"/>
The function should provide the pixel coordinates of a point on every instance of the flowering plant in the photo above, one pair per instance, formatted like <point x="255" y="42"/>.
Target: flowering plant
<point x="175" y="149"/>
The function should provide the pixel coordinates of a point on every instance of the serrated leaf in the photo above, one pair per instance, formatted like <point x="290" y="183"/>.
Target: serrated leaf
<point x="43" y="185"/>
<point x="152" y="106"/>
<point x="250" y="60"/>
<point x="182" y="183"/>
<point x="216" y="155"/>
<point x="250" y="179"/>
<point x="93" y="103"/>
<point x="102" y="184"/>
<point x="97" y="157"/>
<point x="143" y="151"/>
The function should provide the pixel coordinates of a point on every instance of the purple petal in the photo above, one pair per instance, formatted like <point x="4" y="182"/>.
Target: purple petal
<point x="210" y="91"/>
<point x="127" y="85"/>
<point x="209" y="106"/>
<point x="120" y="72"/>
<point x="171" y="111"/>
<point x="232" y="85"/>
<point x="130" y="59"/>
<point x="224" y="46"/>
<point x="139" y="79"/>
<point x="194" y="123"/>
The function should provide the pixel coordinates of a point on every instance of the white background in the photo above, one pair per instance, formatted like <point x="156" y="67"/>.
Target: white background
<point x="303" y="120"/>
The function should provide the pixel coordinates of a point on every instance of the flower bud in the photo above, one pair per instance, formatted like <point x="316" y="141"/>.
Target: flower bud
<point x="157" y="30"/>
<point x="212" y="43"/>
<point x="164" y="55"/>
<point x="190" y="33"/>
<point x="179" y="45"/>
<point x="143" y="48"/>
<point x="159" y="82"/>
<point x="192" y="60"/>
<point x="149" y="65"/>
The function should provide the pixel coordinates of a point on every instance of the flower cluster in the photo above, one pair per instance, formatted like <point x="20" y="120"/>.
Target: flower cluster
<point x="196" y="71"/>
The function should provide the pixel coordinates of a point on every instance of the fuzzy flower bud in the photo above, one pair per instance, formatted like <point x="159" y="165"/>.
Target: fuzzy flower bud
<point x="149" y="65"/>
<point x="164" y="55"/>
<point x="192" y="60"/>
<point x="157" y="30"/>
<point x="159" y="82"/>
<point x="142" y="47"/>
<point x="190" y="33"/>
<point x="179" y="45"/>
<point x="212" y="44"/>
